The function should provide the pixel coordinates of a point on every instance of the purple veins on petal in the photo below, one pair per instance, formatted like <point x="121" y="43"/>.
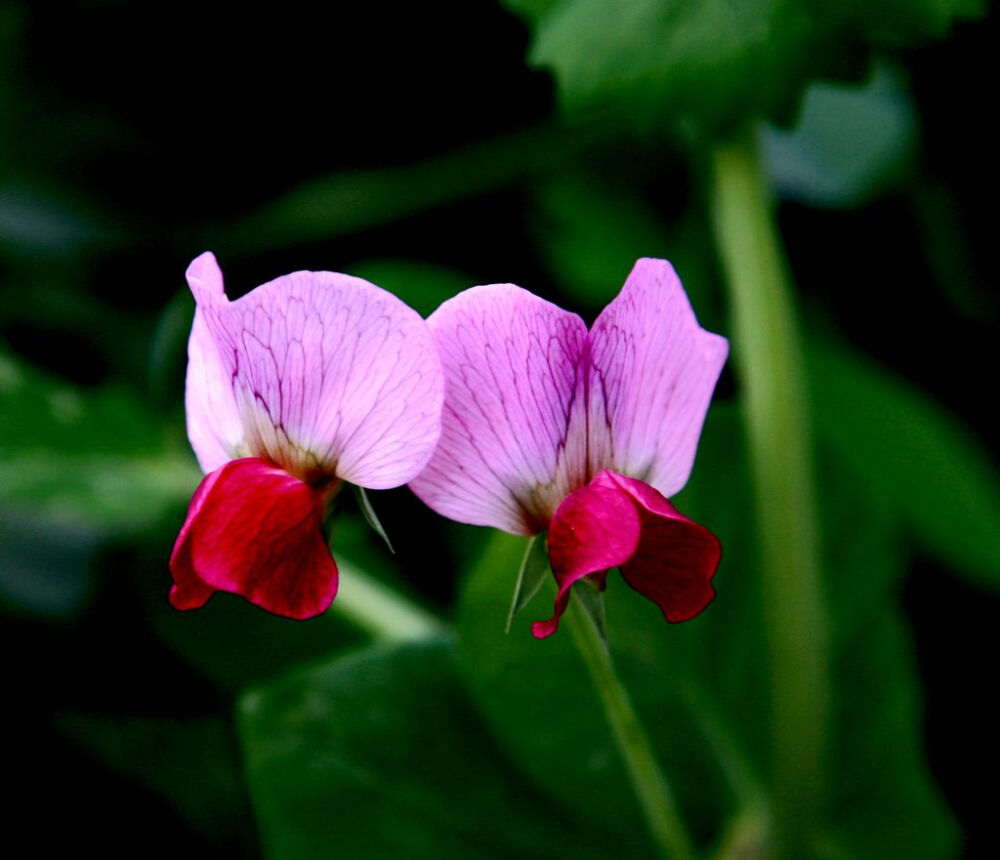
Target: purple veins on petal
<point x="653" y="372"/>
<point x="512" y="437"/>
<point x="326" y="371"/>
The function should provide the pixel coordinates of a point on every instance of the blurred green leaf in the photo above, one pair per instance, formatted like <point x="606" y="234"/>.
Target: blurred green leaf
<point x="900" y="445"/>
<point x="714" y="63"/>
<point x="380" y="754"/>
<point x="884" y="802"/>
<point x="850" y="143"/>
<point x="655" y="62"/>
<point x="900" y="22"/>
<point x="194" y="764"/>
<point x="93" y="457"/>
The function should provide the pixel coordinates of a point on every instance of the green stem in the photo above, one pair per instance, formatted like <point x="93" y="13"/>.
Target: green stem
<point x="650" y="785"/>
<point x="379" y="610"/>
<point x="769" y="355"/>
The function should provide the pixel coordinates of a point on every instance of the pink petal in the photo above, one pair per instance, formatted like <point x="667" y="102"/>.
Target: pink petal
<point x="213" y="419"/>
<point x="512" y="441"/>
<point x="676" y="558"/>
<point x="594" y="529"/>
<point x="654" y="370"/>
<point x="253" y="529"/>
<point x="330" y="373"/>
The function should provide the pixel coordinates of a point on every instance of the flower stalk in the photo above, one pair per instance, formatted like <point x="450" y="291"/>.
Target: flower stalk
<point x="650" y="785"/>
<point x="768" y="352"/>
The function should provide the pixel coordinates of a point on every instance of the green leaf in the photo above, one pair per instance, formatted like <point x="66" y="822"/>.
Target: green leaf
<point x="655" y="62"/>
<point x="884" y="802"/>
<point x="713" y="64"/>
<point x="850" y="143"/>
<point x="901" y="446"/>
<point x="93" y="458"/>
<point x="534" y="568"/>
<point x="380" y="754"/>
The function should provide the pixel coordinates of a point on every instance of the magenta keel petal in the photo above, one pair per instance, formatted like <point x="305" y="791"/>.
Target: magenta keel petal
<point x="676" y="558"/>
<point x="254" y="530"/>
<point x="594" y="529"/>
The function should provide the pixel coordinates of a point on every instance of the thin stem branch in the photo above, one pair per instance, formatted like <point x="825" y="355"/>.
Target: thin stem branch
<point x="768" y="353"/>
<point x="379" y="610"/>
<point x="648" y="781"/>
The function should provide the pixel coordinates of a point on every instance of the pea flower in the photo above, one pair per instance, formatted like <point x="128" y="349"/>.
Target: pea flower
<point x="547" y="426"/>
<point x="308" y="381"/>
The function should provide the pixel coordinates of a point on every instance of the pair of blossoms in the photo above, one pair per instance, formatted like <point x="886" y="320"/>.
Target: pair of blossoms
<point x="500" y="409"/>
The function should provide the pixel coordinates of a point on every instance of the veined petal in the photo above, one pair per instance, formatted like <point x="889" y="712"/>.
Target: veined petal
<point x="213" y="419"/>
<point x="329" y="373"/>
<point x="597" y="527"/>
<point x="513" y="441"/>
<point x="675" y="559"/>
<point x="653" y="370"/>
<point x="253" y="529"/>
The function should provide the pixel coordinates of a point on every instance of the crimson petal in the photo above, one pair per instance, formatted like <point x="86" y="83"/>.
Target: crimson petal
<point x="596" y="527"/>
<point x="676" y="558"/>
<point x="254" y="530"/>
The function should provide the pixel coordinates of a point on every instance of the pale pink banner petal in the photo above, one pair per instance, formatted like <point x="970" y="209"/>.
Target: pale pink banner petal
<point x="330" y="373"/>
<point x="213" y="419"/>
<point x="513" y="440"/>
<point x="652" y="376"/>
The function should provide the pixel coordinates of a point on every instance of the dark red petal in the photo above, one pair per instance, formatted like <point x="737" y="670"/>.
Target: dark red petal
<point x="594" y="528"/>
<point x="676" y="558"/>
<point x="253" y="529"/>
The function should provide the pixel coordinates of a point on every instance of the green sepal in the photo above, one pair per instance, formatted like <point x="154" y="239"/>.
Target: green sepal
<point x="591" y="600"/>
<point x="370" y="516"/>
<point x="534" y="568"/>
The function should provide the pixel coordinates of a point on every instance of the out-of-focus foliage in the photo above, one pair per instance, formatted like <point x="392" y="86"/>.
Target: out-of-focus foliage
<point x="381" y="754"/>
<point x="94" y="457"/>
<point x="714" y="64"/>
<point x="850" y="143"/>
<point x="900" y="446"/>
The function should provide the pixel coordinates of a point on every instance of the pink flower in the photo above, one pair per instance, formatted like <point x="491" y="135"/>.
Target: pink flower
<point x="308" y="381"/>
<point x="585" y="434"/>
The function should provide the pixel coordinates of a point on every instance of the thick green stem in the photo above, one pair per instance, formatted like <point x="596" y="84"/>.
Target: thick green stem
<point x="768" y="353"/>
<point x="651" y="788"/>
